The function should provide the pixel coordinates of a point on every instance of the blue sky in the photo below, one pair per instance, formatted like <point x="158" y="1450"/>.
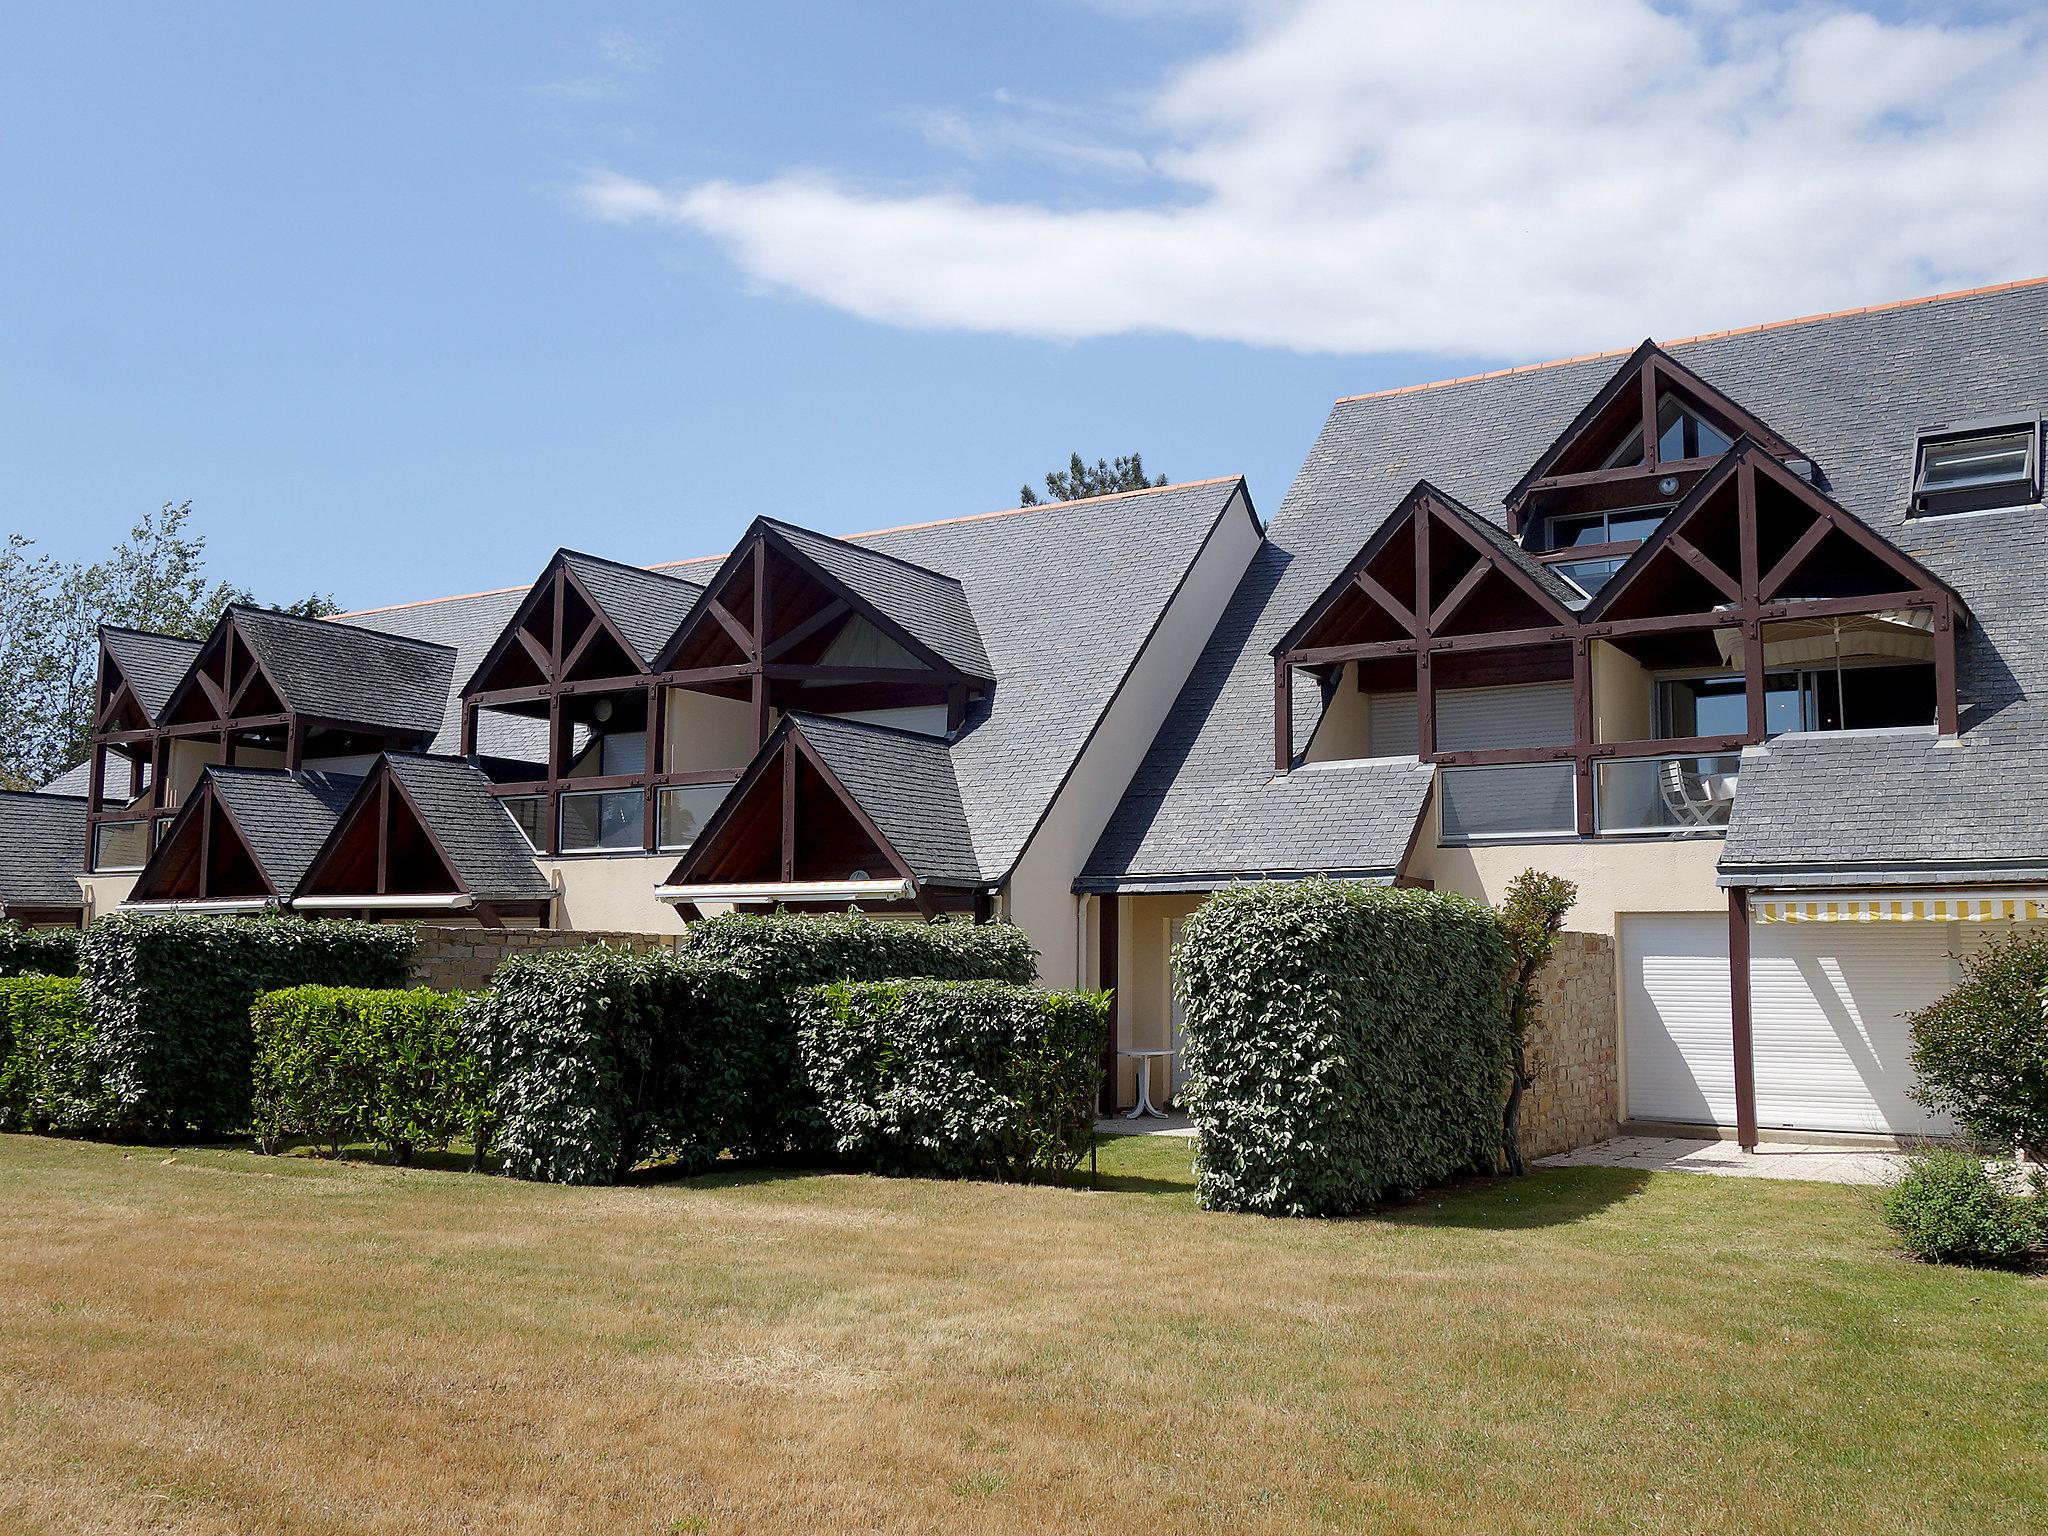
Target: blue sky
<point x="404" y="296"/>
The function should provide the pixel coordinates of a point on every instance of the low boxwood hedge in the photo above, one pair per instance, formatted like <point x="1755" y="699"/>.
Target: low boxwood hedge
<point x="339" y="1065"/>
<point x="37" y="951"/>
<point x="50" y="1078"/>
<point x="1344" y="1043"/>
<point x="956" y="1079"/>
<point x="169" y="998"/>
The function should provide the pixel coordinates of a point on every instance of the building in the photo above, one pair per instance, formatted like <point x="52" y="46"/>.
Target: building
<point x="1743" y="634"/>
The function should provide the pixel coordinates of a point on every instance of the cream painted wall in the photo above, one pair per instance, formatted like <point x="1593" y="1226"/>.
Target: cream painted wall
<point x="1621" y="695"/>
<point x="705" y="731"/>
<point x="1040" y="897"/>
<point x="614" y="895"/>
<point x="188" y="756"/>
<point x="1144" y="987"/>
<point x="103" y="893"/>
<point x="1344" y="731"/>
<point x="1614" y="877"/>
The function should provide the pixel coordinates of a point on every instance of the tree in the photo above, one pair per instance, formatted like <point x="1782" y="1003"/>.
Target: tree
<point x="1533" y="912"/>
<point x="1078" y="481"/>
<point x="1980" y="1054"/>
<point x="50" y="616"/>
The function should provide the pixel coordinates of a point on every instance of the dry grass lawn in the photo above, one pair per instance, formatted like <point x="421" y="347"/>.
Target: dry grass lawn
<point x="225" y="1343"/>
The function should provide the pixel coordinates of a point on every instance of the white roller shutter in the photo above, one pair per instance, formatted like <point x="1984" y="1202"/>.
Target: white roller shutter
<point x="1475" y="719"/>
<point x="1828" y="1004"/>
<point x="1679" y="1033"/>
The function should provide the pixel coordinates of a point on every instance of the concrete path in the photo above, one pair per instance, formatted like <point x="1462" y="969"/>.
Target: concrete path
<point x="1771" y="1159"/>
<point x="1148" y="1125"/>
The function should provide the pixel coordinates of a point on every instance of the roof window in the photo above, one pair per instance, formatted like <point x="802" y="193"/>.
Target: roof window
<point x="1974" y="466"/>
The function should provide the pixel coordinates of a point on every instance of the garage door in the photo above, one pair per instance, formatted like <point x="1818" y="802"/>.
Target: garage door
<point x="1828" y="1004"/>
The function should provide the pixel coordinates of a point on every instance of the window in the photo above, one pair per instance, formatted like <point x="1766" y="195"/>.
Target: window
<point x="1595" y="530"/>
<point x="1976" y="466"/>
<point x="682" y="810"/>
<point x="603" y="821"/>
<point x="531" y="812"/>
<point x="120" y="845"/>
<point x="1681" y="434"/>
<point x="1853" y="698"/>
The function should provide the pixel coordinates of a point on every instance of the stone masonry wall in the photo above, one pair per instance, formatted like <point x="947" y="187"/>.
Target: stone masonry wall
<point x="1573" y="1053"/>
<point x="462" y="959"/>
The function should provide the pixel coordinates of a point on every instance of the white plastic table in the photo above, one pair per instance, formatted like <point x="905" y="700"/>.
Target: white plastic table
<point x="1145" y="1106"/>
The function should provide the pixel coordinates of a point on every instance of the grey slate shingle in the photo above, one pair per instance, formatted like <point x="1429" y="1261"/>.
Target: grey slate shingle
<point x="906" y="784"/>
<point x="491" y="855"/>
<point x="646" y="606"/>
<point x="153" y="664"/>
<point x="930" y="606"/>
<point x="42" y="848"/>
<point x="344" y="672"/>
<point x="283" y="817"/>
<point x="1851" y="390"/>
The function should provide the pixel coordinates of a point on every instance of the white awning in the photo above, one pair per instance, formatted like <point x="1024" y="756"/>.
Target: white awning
<point x="452" y="903"/>
<point x="221" y="908"/>
<point x="1901" y="906"/>
<point x="787" y="890"/>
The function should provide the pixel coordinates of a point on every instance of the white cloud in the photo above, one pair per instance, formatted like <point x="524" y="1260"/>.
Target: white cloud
<point x="1490" y="177"/>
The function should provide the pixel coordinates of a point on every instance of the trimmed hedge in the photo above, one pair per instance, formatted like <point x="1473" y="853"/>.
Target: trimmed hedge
<point x="604" y="1059"/>
<point x="170" y="996"/>
<point x="956" y="1079"/>
<point x="1344" y="1043"/>
<point x="1980" y="1053"/>
<point x="792" y="952"/>
<point x="1949" y="1208"/>
<point x="336" y="1065"/>
<point x="49" y="1078"/>
<point x="37" y="951"/>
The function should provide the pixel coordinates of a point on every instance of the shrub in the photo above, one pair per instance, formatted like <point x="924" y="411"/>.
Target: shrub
<point x="1981" y="1052"/>
<point x="956" y="1079"/>
<point x="1949" y="1208"/>
<point x="1345" y="1043"/>
<point x="37" y="951"/>
<point x="791" y="952"/>
<point x="170" y="996"/>
<point x="604" y="1059"/>
<point x="49" y="1077"/>
<point x="335" y="1065"/>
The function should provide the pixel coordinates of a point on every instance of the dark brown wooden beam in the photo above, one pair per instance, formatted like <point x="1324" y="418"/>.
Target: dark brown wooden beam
<point x="1388" y="601"/>
<point x="1744" y="1043"/>
<point x="1106" y="978"/>
<point x="1788" y="565"/>
<point x="1283" y="715"/>
<point x="1687" y="551"/>
<point x="1444" y="611"/>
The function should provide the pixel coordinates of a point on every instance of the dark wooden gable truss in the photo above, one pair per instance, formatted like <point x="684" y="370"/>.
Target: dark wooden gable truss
<point x="204" y="856"/>
<point x="1750" y="545"/>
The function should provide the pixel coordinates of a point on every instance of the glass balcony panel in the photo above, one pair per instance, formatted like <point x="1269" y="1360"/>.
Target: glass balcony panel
<point x="1665" y="794"/>
<point x="120" y="845"/>
<point x="603" y="821"/>
<point x="531" y="812"/>
<point x="682" y="811"/>
<point x="1513" y="800"/>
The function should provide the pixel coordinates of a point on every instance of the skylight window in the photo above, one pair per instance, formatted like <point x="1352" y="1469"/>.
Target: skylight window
<point x="1976" y="466"/>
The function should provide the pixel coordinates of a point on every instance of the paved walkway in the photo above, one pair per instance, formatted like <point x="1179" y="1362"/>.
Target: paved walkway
<point x="1771" y="1159"/>
<point x="1148" y="1125"/>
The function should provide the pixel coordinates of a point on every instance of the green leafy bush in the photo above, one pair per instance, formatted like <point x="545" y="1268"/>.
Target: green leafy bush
<point x="959" y="1079"/>
<point x="791" y="952"/>
<point x="49" y="1077"/>
<point x="336" y="1065"/>
<point x="1344" y="1043"/>
<point x="169" y="998"/>
<point x="604" y="1059"/>
<point x="1949" y="1208"/>
<point x="1981" y="1052"/>
<point x="38" y="951"/>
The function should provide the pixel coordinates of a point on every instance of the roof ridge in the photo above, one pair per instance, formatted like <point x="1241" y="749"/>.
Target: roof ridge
<point x="847" y="539"/>
<point x="797" y="717"/>
<point x="38" y="795"/>
<point x="148" y="634"/>
<point x="617" y="565"/>
<point x="1981" y="291"/>
<point x="334" y="622"/>
<point x="664" y="567"/>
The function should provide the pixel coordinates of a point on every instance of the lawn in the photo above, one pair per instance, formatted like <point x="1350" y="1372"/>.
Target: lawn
<point x="210" y="1341"/>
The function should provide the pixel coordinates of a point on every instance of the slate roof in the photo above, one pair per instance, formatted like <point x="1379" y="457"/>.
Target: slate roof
<point x="906" y="784"/>
<point x="931" y="607"/>
<point x="646" y="606"/>
<point x="345" y="672"/>
<point x="491" y="855"/>
<point x="283" y="817"/>
<point x="1851" y="389"/>
<point x="153" y="664"/>
<point x="470" y="626"/>
<point x="42" y="848"/>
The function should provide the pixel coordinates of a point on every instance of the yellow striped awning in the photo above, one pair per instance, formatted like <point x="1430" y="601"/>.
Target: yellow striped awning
<point x="1904" y="906"/>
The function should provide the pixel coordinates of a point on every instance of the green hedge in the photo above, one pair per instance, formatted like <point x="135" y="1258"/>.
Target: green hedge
<point x="1980" y="1053"/>
<point x="793" y="952"/>
<point x="338" y="1065"/>
<point x="956" y="1079"/>
<point x="49" y="1077"/>
<point x="170" y="996"/>
<point x="1344" y="1043"/>
<point x="1948" y="1207"/>
<point x="604" y="1059"/>
<point x="37" y="951"/>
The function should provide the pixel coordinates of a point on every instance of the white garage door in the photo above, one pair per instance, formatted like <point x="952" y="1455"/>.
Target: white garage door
<point x="1827" y="1003"/>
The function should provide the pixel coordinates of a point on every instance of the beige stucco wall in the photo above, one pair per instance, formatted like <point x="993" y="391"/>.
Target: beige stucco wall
<point x="704" y="731"/>
<point x="1040" y="897"/>
<point x="612" y="894"/>
<point x="1345" y="730"/>
<point x="1621" y="695"/>
<point x="1144" y="983"/>
<point x="103" y="893"/>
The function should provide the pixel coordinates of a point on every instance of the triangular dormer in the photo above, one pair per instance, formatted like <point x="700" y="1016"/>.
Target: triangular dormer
<point x="227" y="681"/>
<point x="584" y="620"/>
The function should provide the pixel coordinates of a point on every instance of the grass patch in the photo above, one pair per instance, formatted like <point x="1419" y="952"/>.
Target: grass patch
<point x="205" y="1341"/>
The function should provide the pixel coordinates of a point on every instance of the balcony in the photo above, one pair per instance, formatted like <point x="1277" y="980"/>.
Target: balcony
<point x="1507" y="801"/>
<point x="1663" y="796"/>
<point x="604" y="821"/>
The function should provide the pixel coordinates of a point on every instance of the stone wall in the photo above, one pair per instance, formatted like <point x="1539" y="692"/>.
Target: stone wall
<point x="1573" y="1052"/>
<point x="462" y="959"/>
